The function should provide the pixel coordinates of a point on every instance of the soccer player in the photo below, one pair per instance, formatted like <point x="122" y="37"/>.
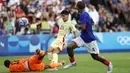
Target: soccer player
<point x="65" y="26"/>
<point x="34" y="63"/>
<point x="86" y="39"/>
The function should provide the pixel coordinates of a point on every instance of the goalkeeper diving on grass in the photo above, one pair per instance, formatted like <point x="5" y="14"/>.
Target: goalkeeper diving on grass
<point x="34" y="63"/>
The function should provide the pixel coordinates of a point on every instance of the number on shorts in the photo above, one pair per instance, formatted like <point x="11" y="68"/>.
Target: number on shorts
<point x="93" y="49"/>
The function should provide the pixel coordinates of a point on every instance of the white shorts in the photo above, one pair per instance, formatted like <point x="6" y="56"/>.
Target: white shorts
<point x="58" y="43"/>
<point x="92" y="47"/>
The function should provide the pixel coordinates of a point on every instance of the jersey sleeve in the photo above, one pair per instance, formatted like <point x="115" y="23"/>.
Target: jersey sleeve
<point x="84" y="19"/>
<point x="59" y="22"/>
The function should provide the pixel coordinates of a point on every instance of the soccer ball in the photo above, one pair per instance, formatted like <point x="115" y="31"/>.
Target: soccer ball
<point x="23" y="21"/>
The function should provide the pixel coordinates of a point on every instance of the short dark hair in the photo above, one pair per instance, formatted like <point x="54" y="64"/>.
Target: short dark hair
<point x="7" y="63"/>
<point x="81" y="5"/>
<point x="66" y="12"/>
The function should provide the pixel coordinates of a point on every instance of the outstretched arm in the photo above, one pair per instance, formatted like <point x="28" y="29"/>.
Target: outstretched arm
<point x="40" y="57"/>
<point x="40" y="54"/>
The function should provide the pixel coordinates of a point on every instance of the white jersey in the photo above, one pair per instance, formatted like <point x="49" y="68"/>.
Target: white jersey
<point x="65" y="28"/>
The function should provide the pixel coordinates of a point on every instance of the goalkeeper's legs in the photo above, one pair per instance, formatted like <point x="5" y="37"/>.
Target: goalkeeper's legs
<point x="104" y="61"/>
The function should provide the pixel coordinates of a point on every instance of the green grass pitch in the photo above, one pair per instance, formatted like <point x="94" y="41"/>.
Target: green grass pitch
<point x="85" y="64"/>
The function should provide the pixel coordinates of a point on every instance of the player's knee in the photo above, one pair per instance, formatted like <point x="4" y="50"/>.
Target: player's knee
<point x="69" y="48"/>
<point x="94" y="56"/>
<point x="50" y="50"/>
<point x="57" y="51"/>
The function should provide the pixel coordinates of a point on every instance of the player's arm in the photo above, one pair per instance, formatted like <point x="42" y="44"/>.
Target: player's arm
<point x="73" y="29"/>
<point x="40" y="54"/>
<point x="58" y="23"/>
<point x="40" y="57"/>
<point x="15" y="62"/>
<point x="75" y="34"/>
<point x="83" y="26"/>
<point x="83" y="22"/>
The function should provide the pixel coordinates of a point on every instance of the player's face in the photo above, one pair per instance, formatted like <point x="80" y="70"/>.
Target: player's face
<point x="79" y="10"/>
<point x="64" y="17"/>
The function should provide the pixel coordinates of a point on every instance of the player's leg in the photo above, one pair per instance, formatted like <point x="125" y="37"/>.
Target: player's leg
<point x="55" y="55"/>
<point x="93" y="49"/>
<point x="100" y="59"/>
<point x="54" y="46"/>
<point x="59" y="46"/>
<point x="77" y="42"/>
<point x="103" y="60"/>
<point x="50" y="53"/>
<point x="70" y="51"/>
<point x="53" y="65"/>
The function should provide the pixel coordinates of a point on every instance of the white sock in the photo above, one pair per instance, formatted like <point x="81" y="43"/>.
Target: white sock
<point x="50" y="56"/>
<point x="55" y="58"/>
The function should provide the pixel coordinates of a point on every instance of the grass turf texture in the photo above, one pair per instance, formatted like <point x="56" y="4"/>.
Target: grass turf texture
<point x="85" y="64"/>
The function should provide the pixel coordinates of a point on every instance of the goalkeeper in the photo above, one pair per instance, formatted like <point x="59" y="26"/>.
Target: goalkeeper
<point x="34" y="63"/>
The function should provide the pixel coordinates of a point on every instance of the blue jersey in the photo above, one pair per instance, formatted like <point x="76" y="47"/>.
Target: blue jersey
<point x="87" y="34"/>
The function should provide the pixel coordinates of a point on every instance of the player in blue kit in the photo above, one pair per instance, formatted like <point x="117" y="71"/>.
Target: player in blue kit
<point x="86" y="39"/>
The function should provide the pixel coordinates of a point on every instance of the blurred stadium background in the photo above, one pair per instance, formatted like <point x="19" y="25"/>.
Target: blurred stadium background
<point x="111" y="27"/>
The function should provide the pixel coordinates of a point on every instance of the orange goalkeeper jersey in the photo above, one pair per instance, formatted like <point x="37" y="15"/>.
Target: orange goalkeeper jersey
<point x="28" y="64"/>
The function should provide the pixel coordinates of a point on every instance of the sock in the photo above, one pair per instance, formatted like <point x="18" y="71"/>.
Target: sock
<point x="71" y="54"/>
<point x="106" y="62"/>
<point x="55" y="58"/>
<point x="72" y="60"/>
<point x="100" y="59"/>
<point x="54" y="65"/>
<point x="50" y="56"/>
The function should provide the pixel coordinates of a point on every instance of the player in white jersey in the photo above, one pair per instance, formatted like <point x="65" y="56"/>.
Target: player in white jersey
<point x="65" y="26"/>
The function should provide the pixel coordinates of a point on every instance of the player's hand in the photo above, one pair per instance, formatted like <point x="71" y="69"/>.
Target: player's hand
<point x="55" y="36"/>
<point x="37" y="51"/>
<point x="78" y="26"/>
<point x="15" y="62"/>
<point x="75" y="36"/>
